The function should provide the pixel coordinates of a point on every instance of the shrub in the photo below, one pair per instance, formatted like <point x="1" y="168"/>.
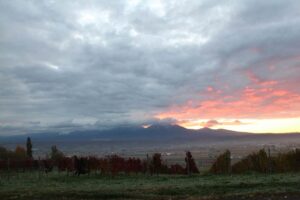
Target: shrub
<point x="287" y="162"/>
<point x="177" y="169"/>
<point x="223" y="164"/>
<point x="56" y="155"/>
<point x="258" y="162"/>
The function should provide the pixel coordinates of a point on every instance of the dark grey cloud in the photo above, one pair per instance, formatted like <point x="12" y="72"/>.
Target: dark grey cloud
<point x="101" y="63"/>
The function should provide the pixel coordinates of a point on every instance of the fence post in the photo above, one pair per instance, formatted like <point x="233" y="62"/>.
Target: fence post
<point x="187" y="165"/>
<point x="39" y="168"/>
<point x="269" y="160"/>
<point x="147" y="165"/>
<point x="8" y="169"/>
<point x="230" y="168"/>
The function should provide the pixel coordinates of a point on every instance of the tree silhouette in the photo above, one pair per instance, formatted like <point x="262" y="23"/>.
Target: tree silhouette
<point x="191" y="166"/>
<point x="29" y="148"/>
<point x="287" y="162"/>
<point x="223" y="164"/>
<point x="20" y="153"/>
<point x="56" y="155"/>
<point x="258" y="162"/>
<point x="156" y="163"/>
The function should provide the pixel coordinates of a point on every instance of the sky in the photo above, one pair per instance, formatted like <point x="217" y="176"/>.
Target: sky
<point x="76" y="65"/>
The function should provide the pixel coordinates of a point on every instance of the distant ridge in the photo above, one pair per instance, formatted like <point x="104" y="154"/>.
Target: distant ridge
<point x="153" y="132"/>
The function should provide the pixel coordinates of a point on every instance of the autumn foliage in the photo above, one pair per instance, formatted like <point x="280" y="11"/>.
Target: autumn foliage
<point x="287" y="162"/>
<point x="256" y="162"/>
<point x="263" y="163"/>
<point x="113" y="165"/>
<point x="222" y="165"/>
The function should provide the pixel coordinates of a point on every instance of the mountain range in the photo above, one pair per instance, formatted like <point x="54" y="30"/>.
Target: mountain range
<point x="154" y="132"/>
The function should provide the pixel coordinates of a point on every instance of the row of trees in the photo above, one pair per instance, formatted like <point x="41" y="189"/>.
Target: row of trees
<point x="258" y="162"/>
<point x="111" y="165"/>
<point x="19" y="153"/>
<point x="22" y="159"/>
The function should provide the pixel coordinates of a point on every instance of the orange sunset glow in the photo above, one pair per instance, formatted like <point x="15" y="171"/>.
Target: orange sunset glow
<point x="262" y="106"/>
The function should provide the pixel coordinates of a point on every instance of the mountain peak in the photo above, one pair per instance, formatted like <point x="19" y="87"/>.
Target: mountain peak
<point x="205" y="129"/>
<point x="165" y="126"/>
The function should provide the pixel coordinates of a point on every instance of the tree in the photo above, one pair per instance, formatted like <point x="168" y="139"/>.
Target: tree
<point x="56" y="154"/>
<point x="191" y="166"/>
<point x="222" y="165"/>
<point x="257" y="162"/>
<point x="20" y="153"/>
<point x="156" y="163"/>
<point x="4" y="153"/>
<point x="288" y="161"/>
<point x="29" y="148"/>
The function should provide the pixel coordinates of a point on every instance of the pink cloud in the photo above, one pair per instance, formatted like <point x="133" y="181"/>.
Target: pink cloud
<point x="212" y="123"/>
<point x="260" y="99"/>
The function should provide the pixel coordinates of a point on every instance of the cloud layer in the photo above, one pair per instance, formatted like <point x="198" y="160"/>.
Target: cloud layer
<point x="67" y="64"/>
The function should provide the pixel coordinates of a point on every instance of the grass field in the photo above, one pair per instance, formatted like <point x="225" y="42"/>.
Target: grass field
<point x="60" y="186"/>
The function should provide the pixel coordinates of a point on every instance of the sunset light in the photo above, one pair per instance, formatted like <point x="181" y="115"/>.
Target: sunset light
<point x="260" y="106"/>
<point x="285" y="125"/>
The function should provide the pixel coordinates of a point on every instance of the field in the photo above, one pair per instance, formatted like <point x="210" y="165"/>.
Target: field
<point x="61" y="186"/>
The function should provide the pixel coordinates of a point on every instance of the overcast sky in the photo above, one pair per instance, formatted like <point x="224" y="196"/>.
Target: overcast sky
<point x="72" y="65"/>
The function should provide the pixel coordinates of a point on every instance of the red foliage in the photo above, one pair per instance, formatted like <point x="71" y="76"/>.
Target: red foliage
<point x="94" y="163"/>
<point x="134" y="165"/>
<point x="104" y="165"/>
<point x="116" y="164"/>
<point x="65" y="164"/>
<point x="177" y="169"/>
<point x="3" y="164"/>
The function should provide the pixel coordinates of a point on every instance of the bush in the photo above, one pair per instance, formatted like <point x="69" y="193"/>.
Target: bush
<point x="257" y="162"/>
<point x="223" y="164"/>
<point x="18" y="154"/>
<point x="287" y="162"/>
<point x="177" y="169"/>
<point x="56" y="155"/>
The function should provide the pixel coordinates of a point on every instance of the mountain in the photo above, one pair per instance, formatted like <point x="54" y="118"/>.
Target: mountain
<point x="154" y="132"/>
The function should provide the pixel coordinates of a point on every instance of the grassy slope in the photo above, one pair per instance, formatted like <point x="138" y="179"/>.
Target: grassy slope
<point x="60" y="186"/>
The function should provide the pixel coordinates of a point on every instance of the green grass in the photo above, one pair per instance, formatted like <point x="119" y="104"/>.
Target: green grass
<point x="60" y="186"/>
